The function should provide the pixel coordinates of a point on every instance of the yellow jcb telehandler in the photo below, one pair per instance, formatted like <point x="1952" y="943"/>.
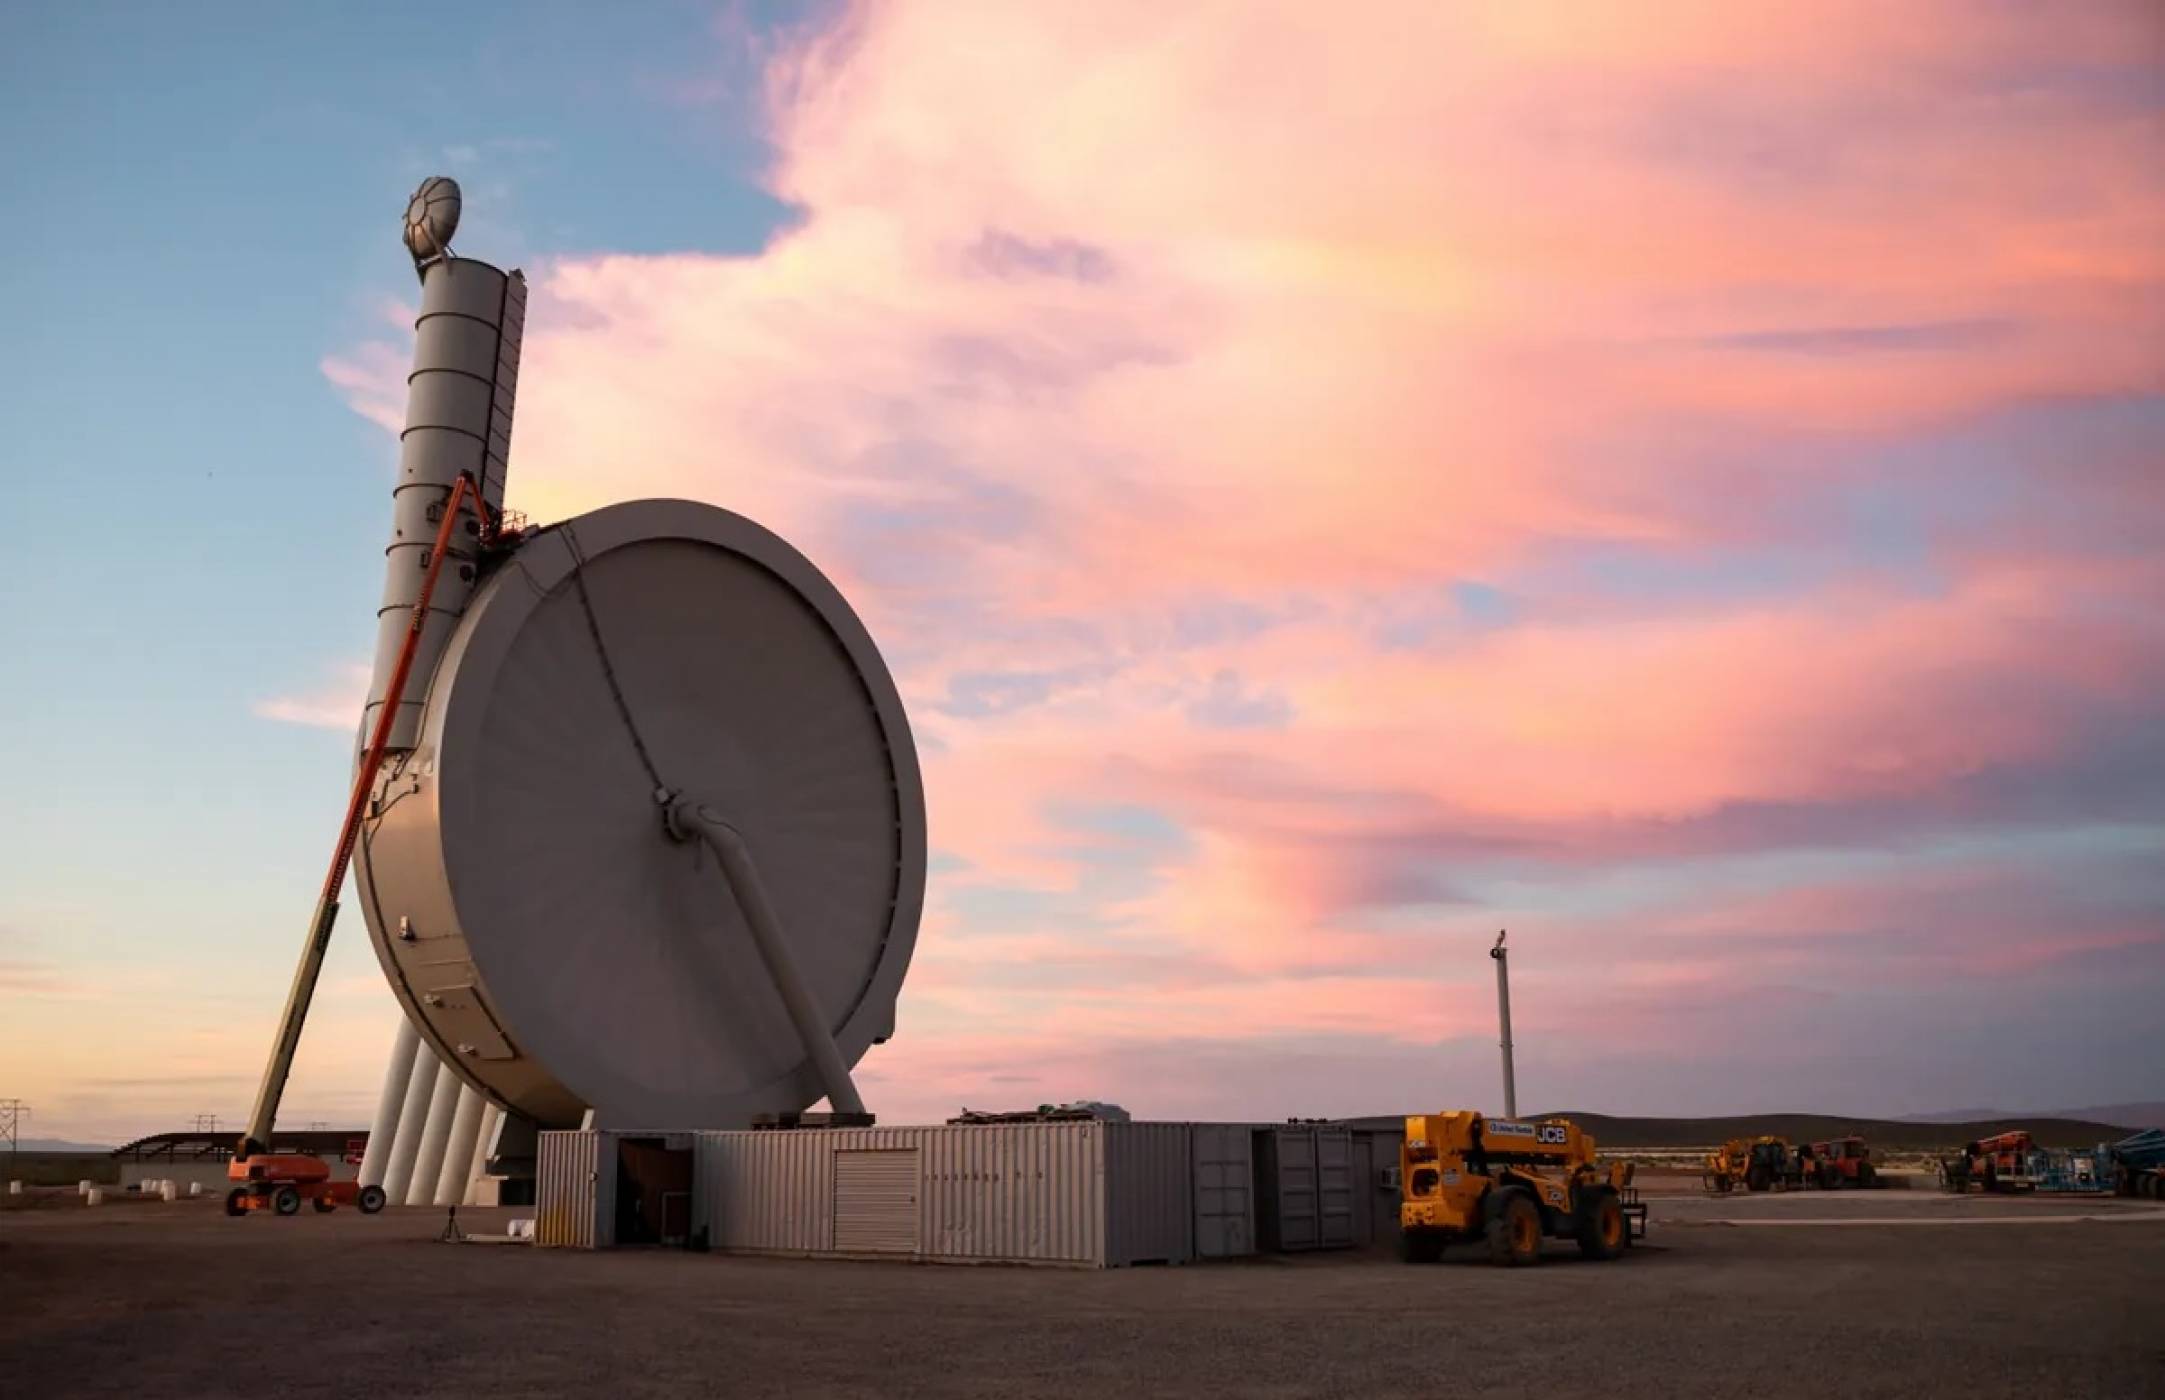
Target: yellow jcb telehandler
<point x="1465" y="1178"/>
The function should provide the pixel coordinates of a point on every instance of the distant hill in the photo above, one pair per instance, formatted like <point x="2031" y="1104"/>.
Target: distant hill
<point x="2128" y="1115"/>
<point x="1898" y="1134"/>
<point x="1965" y="1115"/>
<point x="2134" y="1115"/>
<point x="57" y="1145"/>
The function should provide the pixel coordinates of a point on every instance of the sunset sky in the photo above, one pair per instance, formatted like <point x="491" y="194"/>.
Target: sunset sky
<point x="1684" y="482"/>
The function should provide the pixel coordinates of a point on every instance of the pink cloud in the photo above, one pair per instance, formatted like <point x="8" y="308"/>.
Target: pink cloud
<point x="373" y="378"/>
<point x="334" y="703"/>
<point x="1090" y="320"/>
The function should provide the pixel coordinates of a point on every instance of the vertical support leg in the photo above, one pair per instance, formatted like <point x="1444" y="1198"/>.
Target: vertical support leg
<point x="459" y="1151"/>
<point x="435" y="1135"/>
<point x="412" y="1118"/>
<point x="383" y="1128"/>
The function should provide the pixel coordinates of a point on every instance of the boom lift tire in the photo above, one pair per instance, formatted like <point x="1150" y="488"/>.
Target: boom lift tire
<point x="1760" y="1178"/>
<point x="287" y="1201"/>
<point x="236" y="1201"/>
<point x="371" y="1200"/>
<point x="324" y="1207"/>
<point x="1514" y="1228"/>
<point x="1602" y="1233"/>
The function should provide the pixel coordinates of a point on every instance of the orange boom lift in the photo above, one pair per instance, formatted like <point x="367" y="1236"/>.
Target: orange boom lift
<point x="280" y="1181"/>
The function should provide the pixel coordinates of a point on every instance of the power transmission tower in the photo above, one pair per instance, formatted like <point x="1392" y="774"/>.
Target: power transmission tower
<point x="12" y="1113"/>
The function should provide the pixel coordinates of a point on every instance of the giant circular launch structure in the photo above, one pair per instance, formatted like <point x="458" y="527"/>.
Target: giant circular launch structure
<point x="537" y="903"/>
<point x="639" y="832"/>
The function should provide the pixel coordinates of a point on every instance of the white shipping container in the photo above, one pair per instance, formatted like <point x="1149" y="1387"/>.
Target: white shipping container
<point x="575" y="1190"/>
<point x="1080" y="1194"/>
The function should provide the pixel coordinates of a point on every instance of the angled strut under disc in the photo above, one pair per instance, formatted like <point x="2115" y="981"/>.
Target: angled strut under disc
<point x="686" y="818"/>
<point x="303" y="991"/>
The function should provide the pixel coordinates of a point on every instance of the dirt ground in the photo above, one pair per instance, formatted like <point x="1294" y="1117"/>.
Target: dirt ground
<point x="1881" y="1294"/>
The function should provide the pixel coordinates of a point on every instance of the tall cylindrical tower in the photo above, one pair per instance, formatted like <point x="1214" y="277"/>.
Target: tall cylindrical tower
<point x="458" y="419"/>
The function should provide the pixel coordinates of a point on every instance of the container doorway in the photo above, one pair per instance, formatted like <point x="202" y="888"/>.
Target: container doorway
<point x="653" y="1192"/>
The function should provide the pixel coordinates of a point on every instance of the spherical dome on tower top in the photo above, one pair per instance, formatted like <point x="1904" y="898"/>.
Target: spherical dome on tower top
<point x="432" y="216"/>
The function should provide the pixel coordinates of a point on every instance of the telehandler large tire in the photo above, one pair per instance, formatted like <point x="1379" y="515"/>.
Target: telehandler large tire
<point x="1602" y="1231"/>
<point x="1514" y="1228"/>
<point x="1760" y="1177"/>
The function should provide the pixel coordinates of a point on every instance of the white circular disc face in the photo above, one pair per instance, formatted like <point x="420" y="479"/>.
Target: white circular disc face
<point x="616" y="958"/>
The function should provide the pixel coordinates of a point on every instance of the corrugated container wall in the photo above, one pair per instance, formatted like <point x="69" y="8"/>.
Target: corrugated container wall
<point x="1149" y="1193"/>
<point x="1080" y="1194"/>
<point x="575" y="1190"/>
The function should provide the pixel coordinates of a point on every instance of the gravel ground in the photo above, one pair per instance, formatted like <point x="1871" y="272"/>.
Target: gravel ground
<point x="178" y="1300"/>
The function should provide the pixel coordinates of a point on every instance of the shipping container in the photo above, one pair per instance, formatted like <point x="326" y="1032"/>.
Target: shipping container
<point x="1082" y="1194"/>
<point x="1304" y="1188"/>
<point x="1285" y="1179"/>
<point x="575" y="1190"/>
<point x="1150" y="1193"/>
<point x="1224" y="1175"/>
<point x="1375" y="1185"/>
<point x="1363" y="1182"/>
<point x="1334" y="1188"/>
<point x="602" y="1190"/>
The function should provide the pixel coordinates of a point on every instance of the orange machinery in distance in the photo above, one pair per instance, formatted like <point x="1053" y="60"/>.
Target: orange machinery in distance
<point x="1997" y="1163"/>
<point x="1836" y="1163"/>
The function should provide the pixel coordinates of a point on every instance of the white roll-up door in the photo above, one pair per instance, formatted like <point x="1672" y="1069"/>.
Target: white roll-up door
<point x="875" y="1201"/>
